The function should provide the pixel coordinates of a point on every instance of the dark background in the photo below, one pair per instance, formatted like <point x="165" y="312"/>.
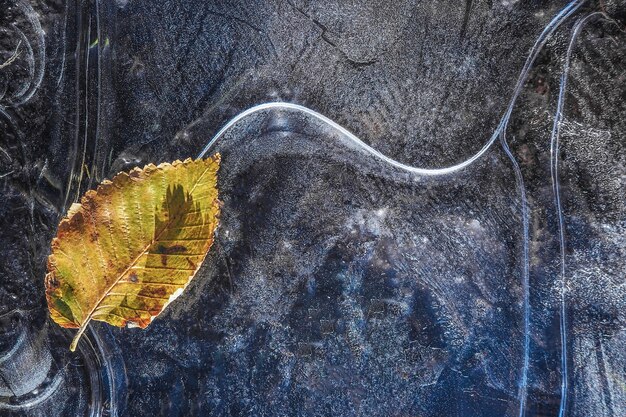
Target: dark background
<point x="337" y="287"/>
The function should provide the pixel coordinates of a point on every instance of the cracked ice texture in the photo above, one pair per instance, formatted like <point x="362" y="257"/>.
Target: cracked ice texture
<point x="341" y="286"/>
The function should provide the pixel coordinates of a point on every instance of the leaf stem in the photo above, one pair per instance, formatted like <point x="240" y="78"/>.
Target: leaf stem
<point x="80" y="332"/>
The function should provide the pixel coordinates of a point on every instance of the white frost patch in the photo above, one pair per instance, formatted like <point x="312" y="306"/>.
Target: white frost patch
<point x="382" y="213"/>
<point x="509" y="3"/>
<point x="475" y="227"/>
<point x="368" y="221"/>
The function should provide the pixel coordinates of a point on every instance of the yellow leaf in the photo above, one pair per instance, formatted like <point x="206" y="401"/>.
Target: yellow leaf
<point x="132" y="246"/>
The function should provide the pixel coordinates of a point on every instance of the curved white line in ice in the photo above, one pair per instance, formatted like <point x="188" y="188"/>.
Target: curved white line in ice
<point x="539" y="43"/>
<point x="500" y="132"/>
<point x="554" y="173"/>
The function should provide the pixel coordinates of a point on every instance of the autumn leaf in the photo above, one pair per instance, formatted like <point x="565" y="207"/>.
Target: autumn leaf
<point x="132" y="245"/>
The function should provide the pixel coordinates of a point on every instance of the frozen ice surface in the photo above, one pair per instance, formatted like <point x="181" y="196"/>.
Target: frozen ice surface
<point x="340" y="284"/>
